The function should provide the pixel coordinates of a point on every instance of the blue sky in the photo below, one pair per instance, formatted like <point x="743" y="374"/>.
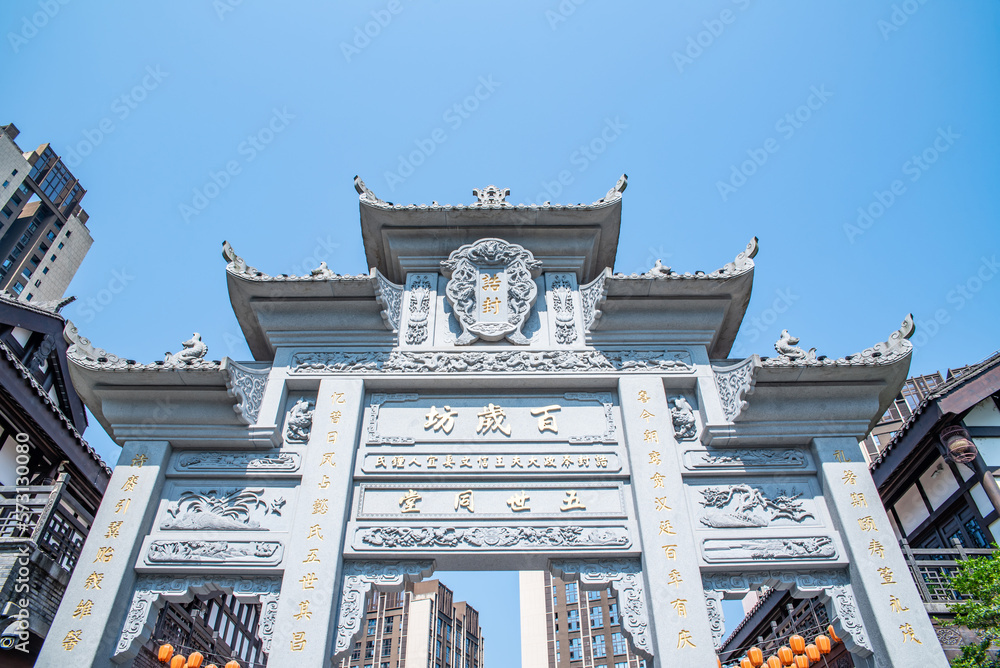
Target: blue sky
<point x="732" y="119"/>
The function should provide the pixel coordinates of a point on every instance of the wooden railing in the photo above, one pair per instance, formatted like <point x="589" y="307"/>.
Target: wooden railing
<point x="932" y="568"/>
<point x="46" y="518"/>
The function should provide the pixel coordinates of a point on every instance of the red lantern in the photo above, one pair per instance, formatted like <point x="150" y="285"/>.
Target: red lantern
<point x="833" y="634"/>
<point x="802" y="661"/>
<point x="823" y="644"/>
<point x="812" y="652"/>
<point x="211" y="665"/>
<point x="194" y="661"/>
<point x="798" y="644"/>
<point x="774" y="662"/>
<point x="786" y="656"/>
<point x="165" y="652"/>
<point x="756" y="656"/>
<point x="233" y="664"/>
<point x="745" y="663"/>
<point x="179" y="661"/>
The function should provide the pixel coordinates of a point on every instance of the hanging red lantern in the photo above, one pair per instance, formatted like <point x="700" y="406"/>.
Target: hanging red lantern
<point x="745" y="663"/>
<point x="823" y="644"/>
<point x="798" y="644"/>
<point x="812" y="652"/>
<point x="774" y="662"/>
<point x="179" y="661"/>
<point x="802" y="661"/>
<point x="165" y="652"/>
<point x="756" y="656"/>
<point x="194" y="661"/>
<point x="786" y="656"/>
<point x="233" y="664"/>
<point x="833" y="634"/>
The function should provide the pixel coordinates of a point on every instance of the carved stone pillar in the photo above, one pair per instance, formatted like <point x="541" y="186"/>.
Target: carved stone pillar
<point x="104" y="577"/>
<point x="305" y="623"/>
<point x="900" y="633"/>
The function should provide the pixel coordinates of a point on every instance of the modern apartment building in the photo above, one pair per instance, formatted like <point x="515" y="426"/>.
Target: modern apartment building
<point x="420" y="627"/>
<point x="563" y="626"/>
<point x="43" y="229"/>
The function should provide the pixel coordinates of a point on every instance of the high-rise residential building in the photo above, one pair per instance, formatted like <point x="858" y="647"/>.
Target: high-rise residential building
<point x="420" y="627"/>
<point x="43" y="229"/>
<point x="564" y="626"/>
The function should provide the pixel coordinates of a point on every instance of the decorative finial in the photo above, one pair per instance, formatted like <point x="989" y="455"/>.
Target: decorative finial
<point x="491" y="195"/>
<point x="787" y="348"/>
<point x="193" y="350"/>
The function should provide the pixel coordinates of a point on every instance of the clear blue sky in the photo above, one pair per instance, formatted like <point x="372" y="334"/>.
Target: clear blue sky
<point x="676" y="94"/>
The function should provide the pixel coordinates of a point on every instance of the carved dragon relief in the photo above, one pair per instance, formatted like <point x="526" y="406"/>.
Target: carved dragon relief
<point x="235" y="509"/>
<point x="564" y="310"/>
<point x="491" y="290"/>
<point x="744" y="506"/>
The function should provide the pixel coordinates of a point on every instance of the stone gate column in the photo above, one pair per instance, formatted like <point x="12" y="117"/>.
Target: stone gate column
<point x="305" y="626"/>
<point x="681" y="631"/>
<point x="899" y="629"/>
<point x="90" y="618"/>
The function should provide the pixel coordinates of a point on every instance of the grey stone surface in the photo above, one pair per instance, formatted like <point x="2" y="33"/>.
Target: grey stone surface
<point x="103" y="580"/>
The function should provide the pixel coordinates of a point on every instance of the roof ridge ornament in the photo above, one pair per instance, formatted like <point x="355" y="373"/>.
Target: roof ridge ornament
<point x="491" y="196"/>
<point x="366" y="193"/>
<point x="884" y="352"/>
<point x="616" y="191"/>
<point x="742" y="264"/>
<point x="194" y="350"/>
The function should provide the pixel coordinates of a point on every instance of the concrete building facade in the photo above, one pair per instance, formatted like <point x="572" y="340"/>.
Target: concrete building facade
<point x="43" y="229"/>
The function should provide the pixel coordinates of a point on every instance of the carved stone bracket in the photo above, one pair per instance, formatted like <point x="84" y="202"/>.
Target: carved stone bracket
<point x="152" y="591"/>
<point x="606" y="400"/>
<point x="390" y="296"/>
<point x="419" y="307"/>
<point x="592" y="296"/>
<point x="843" y="609"/>
<point x="735" y="383"/>
<point x="625" y="576"/>
<point x="563" y="309"/>
<point x="247" y="386"/>
<point x="359" y="578"/>
<point x="374" y="437"/>
<point x="716" y="616"/>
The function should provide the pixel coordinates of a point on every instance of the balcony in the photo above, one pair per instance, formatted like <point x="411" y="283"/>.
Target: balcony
<point x="931" y="569"/>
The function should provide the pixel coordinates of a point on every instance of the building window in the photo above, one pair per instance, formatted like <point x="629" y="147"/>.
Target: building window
<point x="571" y="593"/>
<point x="573" y="620"/>
<point x="438" y="652"/>
<point x="51" y="236"/>
<point x="60" y="246"/>
<point x="7" y="211"/>
<point x="34" y="261"/>
<point x="600" y="651"/>
<point x="387" y="647"/>
<point x="371" y="626"/>
<point x="621" y="664"/>
<point x="597" y="617"/>
<point x="68" y="232"/>
<point x="45" y="270"/>
<point x="6" y="183"/>
<point x="575" y="649"/>
<point x="53" y="258"/>
<point x="593" y="595"/>
<point x="38" y="284"/>
<point x="369" y="649"/>
<point x="26" y="272"/>
<point x="618" y="643"/>
<point x="388" y="624"/>
<point x="28" y="298"/>
<point x="356" y="654"/>
<point x="18" y="287"/>
<point x="613" y="614"/>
